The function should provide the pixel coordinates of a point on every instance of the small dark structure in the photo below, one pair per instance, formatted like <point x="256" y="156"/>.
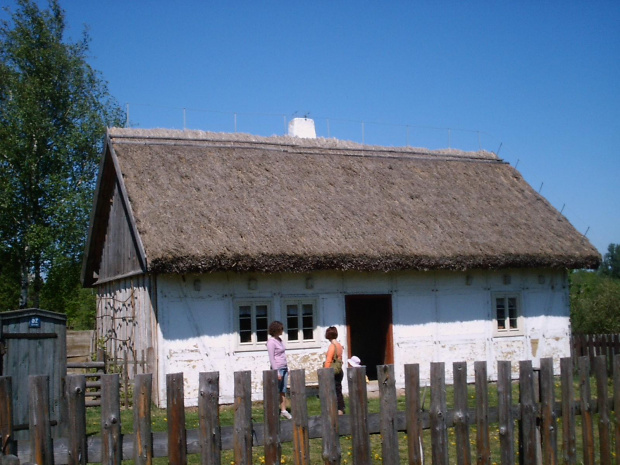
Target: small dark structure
<point x="34" y="342"/>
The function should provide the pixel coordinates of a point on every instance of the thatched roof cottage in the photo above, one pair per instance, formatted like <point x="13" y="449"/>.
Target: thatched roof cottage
<point x="198" y="240"/>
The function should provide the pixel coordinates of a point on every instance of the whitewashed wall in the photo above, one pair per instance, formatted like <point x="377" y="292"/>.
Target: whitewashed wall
<point x="437" y="316"/>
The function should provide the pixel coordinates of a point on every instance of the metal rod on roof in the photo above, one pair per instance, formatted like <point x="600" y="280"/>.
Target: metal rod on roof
<point x="517" y="163"/>
<point x="586" y="233"/>
<point x="284" y="119"/>
<point x="562" y="209"/>
<point x="127" y="116"/>
<point x="540" y="188"/>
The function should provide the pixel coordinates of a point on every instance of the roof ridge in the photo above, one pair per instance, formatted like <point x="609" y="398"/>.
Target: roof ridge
<point x="328" y="144"/>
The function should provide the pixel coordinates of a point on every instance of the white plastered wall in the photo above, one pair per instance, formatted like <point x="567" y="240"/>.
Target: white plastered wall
<point x="437" y="317"/>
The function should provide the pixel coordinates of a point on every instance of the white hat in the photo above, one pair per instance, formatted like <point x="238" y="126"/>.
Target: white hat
<point x="355" y="361"/>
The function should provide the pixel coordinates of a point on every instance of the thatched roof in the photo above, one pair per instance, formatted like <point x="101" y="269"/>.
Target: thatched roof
<point x="206" y="202"/>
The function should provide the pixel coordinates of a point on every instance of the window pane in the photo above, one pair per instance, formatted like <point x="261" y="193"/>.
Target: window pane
<point x="292" y="321"/>
<point x="500" y="308"/>
<point x="261" y="323"/>
<point x="308" y="321"/>
<point x="512" y="312"/>
<point x="245" y="323"/>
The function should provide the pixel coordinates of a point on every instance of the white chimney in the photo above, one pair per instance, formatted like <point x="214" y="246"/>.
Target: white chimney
<point x="302" y="127"/>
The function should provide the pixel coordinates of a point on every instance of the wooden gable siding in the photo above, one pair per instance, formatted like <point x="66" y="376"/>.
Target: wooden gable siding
<point x="127" y="321"/>
<point x="120" y="252"/>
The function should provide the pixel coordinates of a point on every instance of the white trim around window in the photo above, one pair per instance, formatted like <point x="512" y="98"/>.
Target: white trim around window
<point x="300" y="322"/>
<point x="252" y="319"/>
<point x="507" y="314"/>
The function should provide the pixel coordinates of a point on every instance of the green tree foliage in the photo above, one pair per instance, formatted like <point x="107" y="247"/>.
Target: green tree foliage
<point x="611" y="262"/>
<point x="595" y="303"/>
<point x="54" y="109"/>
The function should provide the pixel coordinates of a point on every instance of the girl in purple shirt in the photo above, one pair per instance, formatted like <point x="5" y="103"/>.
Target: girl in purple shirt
<point x="277" y="360"/>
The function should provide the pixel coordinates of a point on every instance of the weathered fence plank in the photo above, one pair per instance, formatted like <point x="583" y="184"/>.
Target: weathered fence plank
<point x="76" y="419"/>
<point x="358" y="405"/>
<point x="143" y="440"/>
<point x="242" y="435"/>
<point x="210" y="433"/>
<point x="604" y="431"/>
<point x="483" y="442"/>
<point x="586" y="411"/>
<point x="569" y="437"/>
<point x="549" y="424"/>
<point x="527" y="398"/>
<point x="7" y="443"/>
<point x="177" y="438"/>
<point x="413" y="413"/>
<point x="299" y="410"/>
<point x="111" y="445"/>
<point x="439" y="409"/>
<point x="40" y="427"/>
<point x="329" y="414"/>
<point x="389" y="429"/>
<point x="461" y="413"/>
<point x="616" y="394"/>
<point x="506" y="422"/>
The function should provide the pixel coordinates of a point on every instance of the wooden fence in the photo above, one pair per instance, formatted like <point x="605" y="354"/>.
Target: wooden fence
<point x="527" y="429"/>
<point x="593" y="345"/>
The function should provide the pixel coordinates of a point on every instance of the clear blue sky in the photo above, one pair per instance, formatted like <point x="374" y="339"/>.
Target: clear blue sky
<point x="539" y="79"/>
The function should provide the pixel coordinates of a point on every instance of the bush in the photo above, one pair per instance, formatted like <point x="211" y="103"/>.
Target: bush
<point x="595" y="303"/>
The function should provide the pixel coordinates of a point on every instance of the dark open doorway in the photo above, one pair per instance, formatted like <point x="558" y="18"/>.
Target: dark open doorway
<point x="369" y="330"/>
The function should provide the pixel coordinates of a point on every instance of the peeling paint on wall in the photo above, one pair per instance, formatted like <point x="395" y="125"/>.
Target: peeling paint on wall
<point x="450" y="322"/>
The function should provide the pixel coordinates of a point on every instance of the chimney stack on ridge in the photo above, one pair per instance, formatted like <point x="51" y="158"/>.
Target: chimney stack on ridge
<point x="302" y="127"/>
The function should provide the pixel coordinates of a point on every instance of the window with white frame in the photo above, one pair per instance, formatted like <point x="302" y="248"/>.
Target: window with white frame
<point x="508" y="318"/>
<point x="252" y="320"/>
<point x="301" y="320"/>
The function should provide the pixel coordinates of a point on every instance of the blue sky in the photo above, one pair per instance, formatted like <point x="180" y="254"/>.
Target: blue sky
<point x="538" y="81"/>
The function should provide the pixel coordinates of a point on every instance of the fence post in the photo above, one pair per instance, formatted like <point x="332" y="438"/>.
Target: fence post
<point x="242" y="434"/>
<point x="358" y="405"/>
<point x="586" y="410"/>
<point x="76" y="419"/>
<point x="600" y="371"/>
<point x="569" y="439"/>
<point x="111" y="446"/>
<point x="547" y="402"/>
<point x="506" y="424"/>
<point x="41" y="450"/>
<point x="7" y="443"/>
<point x="414" y="414"/>
<point x="271" y="409"/>
<point x="527" y="399"/>
<point x="461" y="414"/>
<point x="483" y="444"/>
<point x="389" y="428"/>
<point x="209" y="418"/>
<point x="616" y="394"/>
<point x="439" y="432"/>
<point x="299" y="410"/>
<point x="143" y="442"/>
<point x="177" y="436"/>
<point x="329" y="417"/>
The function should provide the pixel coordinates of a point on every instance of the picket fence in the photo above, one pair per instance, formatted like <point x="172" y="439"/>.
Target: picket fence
<point x="533" y="440"/>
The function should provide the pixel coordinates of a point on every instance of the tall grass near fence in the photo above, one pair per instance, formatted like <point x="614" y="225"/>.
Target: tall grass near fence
<point x="538" y="417"/>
